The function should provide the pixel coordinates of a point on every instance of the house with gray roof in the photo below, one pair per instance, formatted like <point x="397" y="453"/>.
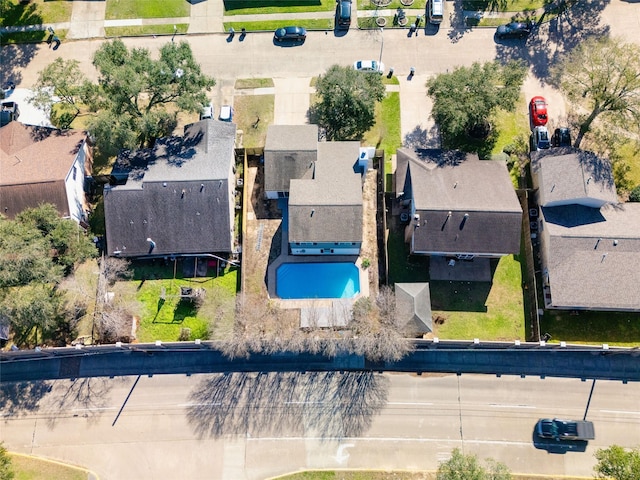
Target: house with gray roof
<point x="461" y="208"/>
<point x="589" y="243"/>
<point x="322" y="182"/>
<point x="568" y="176"/>
<point x="175" y="198"/>
<point x="290" y="152"/>
<point x="325" y="208"/>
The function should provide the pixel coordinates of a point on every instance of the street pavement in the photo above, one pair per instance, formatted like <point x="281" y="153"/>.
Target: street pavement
<point x="292" y="67"/>
<point x="254" y="426"/>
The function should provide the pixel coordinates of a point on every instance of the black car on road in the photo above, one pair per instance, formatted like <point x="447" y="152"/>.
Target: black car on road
<point x="298" y="34"/>
<point x="561" y="137"/>
<point x="514" y="30"/>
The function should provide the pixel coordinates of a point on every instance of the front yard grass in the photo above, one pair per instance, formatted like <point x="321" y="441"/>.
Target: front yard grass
<point x="243" y="83"/>
<point x="249" y="7"/>
<point x="499" y="6"/>
<point x="36" y="12"/>
<point x="394" y="5"/>
<point x="253" y="114"/>
<point x="119" y="9"/>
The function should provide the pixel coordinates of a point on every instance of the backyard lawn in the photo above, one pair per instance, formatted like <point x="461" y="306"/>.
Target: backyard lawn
<point x="170" y="318"/>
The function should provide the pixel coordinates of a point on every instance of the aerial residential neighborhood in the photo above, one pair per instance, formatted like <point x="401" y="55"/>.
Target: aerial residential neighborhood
<point x="393" y="238"/>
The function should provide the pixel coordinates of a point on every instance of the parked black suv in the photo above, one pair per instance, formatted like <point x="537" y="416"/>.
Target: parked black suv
<point x="343" y="14"/>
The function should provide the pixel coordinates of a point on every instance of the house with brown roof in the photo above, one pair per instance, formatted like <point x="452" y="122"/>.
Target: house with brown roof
<point x="462" y="211"/>
<point x="589" y="242"/>
<point x="43" y="165"/>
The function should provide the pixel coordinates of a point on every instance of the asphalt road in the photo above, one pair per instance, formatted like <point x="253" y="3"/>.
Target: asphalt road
<point x="248" y="426"/>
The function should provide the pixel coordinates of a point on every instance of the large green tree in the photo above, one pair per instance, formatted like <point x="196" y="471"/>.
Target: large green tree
<point x="137" y="97"/>
<point x="618" y="463"/>
<point x="63" y="83"/>
<point x="468" y="467"/>
<point x="465" y="99"/>
<point x="602" y="78"/>
<point x="347" y="102"/>
<point x="137" y="90"/>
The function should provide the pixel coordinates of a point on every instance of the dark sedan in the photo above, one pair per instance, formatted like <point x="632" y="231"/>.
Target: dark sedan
<point x="298" y="34"/>
<point x="513" y="30"/>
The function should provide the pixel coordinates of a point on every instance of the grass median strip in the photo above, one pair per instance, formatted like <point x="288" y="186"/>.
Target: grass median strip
<point x="266" y="26"/>
<point x="135" y="31"/>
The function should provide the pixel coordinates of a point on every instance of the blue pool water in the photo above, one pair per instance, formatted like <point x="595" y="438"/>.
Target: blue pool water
<point x="317" y="280"/>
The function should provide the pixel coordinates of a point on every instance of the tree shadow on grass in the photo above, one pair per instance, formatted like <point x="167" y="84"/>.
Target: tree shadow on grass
<point x="556" y="33"/>
<point x="330" y="404"/>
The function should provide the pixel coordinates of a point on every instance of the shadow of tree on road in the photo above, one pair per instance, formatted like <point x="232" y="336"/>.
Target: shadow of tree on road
<point x="325" y="404"/>
<point x="549" y="41"/>
<point x="19" y="398"/>
<point x="86" y="396"/>
<point x="14" y="59"/>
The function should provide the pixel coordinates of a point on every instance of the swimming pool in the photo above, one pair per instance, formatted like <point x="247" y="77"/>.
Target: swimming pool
<point x="317" y="280"/>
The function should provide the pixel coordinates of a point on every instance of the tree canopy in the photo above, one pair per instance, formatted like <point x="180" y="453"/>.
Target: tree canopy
<point x="618" y="463"/>
<point x="465" y="99"/>
<point x="468" y="467"/>
<point x="346" y="109"/>
<point x="137" y="98"/>
<point x="37" y="249"/>
<point x="602" y="77"/>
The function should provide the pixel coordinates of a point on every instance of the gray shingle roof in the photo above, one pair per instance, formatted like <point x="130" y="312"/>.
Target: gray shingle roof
<point x="328" y="207"/>
<point x="413" y="307"/>
<point x="592" y="256"/>
<point x="182" y="200"/>
<point x="289" y="152"/>
<point x="465" y="205"/>
<point x="566" y="175"/>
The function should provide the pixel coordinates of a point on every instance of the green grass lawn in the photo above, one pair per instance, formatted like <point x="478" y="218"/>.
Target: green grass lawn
<point x="248" y="109"/>
<point x="510" y="125"/>
<point x="402" y="475"/>
<point x="118" y="9"/>
<point x="242" y="83"/>
<point x="394" y="5"/>
<point x="35" y="12"/>
<point x="164" y="319"/>
<point x="248" y="7"/>
<point x="31" y="468"/>
<point x="308" y="23"/>
<point x="614" y="328"/>
<point x="630" y="153"/>
<point x="134" y="31"/>
<point x="472" y="314"/>
<point x="502" y="5"/>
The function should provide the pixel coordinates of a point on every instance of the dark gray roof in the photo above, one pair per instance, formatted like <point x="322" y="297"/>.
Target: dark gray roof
<point x="182" y="200"/>
<point x="328" y="207"/>
<point x="289" y="153"/>
<point x="413" y="307"/>
<point x="465" y="205"/>
<point x="592" y="256"/>
<point x="567" y="176"/>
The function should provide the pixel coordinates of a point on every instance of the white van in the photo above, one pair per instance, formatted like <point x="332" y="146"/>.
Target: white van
<point x="435" y="11"/>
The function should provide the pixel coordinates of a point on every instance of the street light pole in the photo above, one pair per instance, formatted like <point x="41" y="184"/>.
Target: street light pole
<point x="175" y="30"/>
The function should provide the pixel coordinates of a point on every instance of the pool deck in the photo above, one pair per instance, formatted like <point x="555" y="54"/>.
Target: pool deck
<point x="329" y="304"/>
